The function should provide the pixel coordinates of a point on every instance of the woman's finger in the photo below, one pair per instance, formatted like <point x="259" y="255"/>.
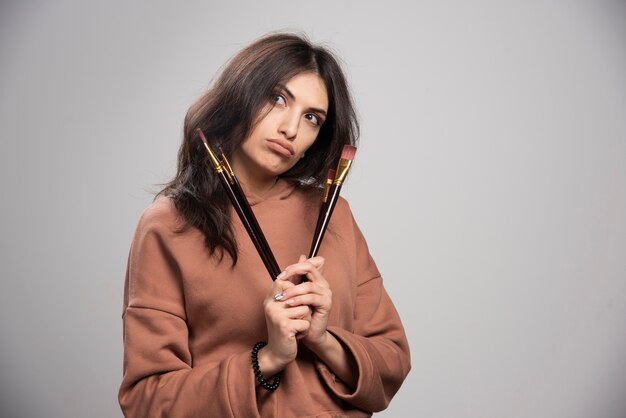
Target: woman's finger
<point x="307" y="268"/>
<point x="279" y="286"/>
<point x="298" y="312"/>
<point x="287" y="278"/>
<point x="318" y="262"/>
<point x="302" y="289"/>
<point x="308" y="300"/>
<point x="300" y="325"/>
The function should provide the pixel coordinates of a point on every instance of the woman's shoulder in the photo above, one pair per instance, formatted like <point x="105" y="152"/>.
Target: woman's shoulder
<point x="343" y="206"/>
<point x="161" y="214"/>
<point x="307" y="193"/>
<point x="311" y="197"/>
<point x="314" y="194"/>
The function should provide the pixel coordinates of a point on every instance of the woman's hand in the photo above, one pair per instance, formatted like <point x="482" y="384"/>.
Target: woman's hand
<point x="315" y="293"/>
<point x="285" y="324"/>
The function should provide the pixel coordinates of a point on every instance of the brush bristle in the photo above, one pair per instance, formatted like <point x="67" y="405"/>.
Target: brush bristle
<point x="202" y="137"/>
<point x="331" y="174"/>
<point x="348" y="152"/>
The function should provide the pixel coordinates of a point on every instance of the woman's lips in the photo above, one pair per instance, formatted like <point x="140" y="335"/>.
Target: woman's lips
<point x="281" y="146"/>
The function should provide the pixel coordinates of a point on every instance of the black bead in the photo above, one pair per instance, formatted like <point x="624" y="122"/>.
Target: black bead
<point x="257" y="369"/>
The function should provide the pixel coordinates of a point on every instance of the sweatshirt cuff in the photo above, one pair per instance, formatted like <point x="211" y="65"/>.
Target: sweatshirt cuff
<point x="239" y="381"/>
<point x="365" y="369"/>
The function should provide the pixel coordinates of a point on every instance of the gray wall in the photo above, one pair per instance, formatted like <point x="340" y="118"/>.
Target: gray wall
<point x="490" y="183"/>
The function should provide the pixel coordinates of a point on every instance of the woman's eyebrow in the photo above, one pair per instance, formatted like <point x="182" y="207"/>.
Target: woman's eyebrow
<point x="286" y="90"/>
<point x="292" y="97"/>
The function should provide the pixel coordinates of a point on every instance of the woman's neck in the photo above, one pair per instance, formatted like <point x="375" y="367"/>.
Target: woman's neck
<point x="253" y="185"/>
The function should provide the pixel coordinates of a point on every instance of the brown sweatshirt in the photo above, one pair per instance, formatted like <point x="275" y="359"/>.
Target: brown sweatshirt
<point x="190" y="320"/>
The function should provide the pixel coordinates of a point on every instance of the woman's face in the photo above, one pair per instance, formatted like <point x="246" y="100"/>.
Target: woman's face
<point x="287" y="128"/>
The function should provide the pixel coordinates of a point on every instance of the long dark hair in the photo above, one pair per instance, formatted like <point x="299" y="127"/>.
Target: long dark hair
<point x="226" y="113"/>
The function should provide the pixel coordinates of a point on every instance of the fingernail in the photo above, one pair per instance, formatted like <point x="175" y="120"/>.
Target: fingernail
<point x="279" y="296"/>
<point x="281" y="275"/>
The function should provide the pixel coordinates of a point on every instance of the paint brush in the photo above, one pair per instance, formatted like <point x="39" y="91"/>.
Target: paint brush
<point x="237" y="199"/>
<point x="243" y="201"/>
<point x="331" y="196"/>
<point x="330" y="177"/>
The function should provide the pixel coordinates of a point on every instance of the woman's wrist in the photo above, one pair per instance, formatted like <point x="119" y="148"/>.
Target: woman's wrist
<point x="268" y="363"/>
<point x="337" y="357"/>
<point x="319" y="345"/>
<point x="270" y="386"/>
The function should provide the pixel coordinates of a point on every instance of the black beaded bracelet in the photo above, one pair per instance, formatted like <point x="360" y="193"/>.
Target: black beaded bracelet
<point x="257" y="370"/>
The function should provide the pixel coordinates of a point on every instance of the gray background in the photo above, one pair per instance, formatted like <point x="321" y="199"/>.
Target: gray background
<point x="490" y="183"/>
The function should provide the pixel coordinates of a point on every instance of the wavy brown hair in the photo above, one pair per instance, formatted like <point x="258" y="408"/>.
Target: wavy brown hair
<point x="226" y="113"/>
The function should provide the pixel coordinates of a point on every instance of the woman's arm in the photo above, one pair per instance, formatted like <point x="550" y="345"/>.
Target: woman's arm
<point x="160" y="377"/>
<point x="372" y="358"/>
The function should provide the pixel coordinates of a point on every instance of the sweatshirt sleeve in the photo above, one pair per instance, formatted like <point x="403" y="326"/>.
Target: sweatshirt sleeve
<point x="160" y="379"/>
<point x="377" y="342"/>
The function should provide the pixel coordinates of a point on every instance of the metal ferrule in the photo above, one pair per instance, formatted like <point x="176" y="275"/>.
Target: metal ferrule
<point x="329" y="182"/>
<point x="216" y="163"/>
<point x="228" y="169"/>
<point x="342" y="171"/>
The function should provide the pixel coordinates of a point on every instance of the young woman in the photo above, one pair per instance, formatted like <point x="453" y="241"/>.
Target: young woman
<point x="197" y="296"/>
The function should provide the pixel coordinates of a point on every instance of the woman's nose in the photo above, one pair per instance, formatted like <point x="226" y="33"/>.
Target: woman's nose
<point x="289" y="125"/>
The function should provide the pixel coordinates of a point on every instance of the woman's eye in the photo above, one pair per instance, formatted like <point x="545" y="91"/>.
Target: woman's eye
<point x="313" y="118"/>
<point x="279" y="99"/>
